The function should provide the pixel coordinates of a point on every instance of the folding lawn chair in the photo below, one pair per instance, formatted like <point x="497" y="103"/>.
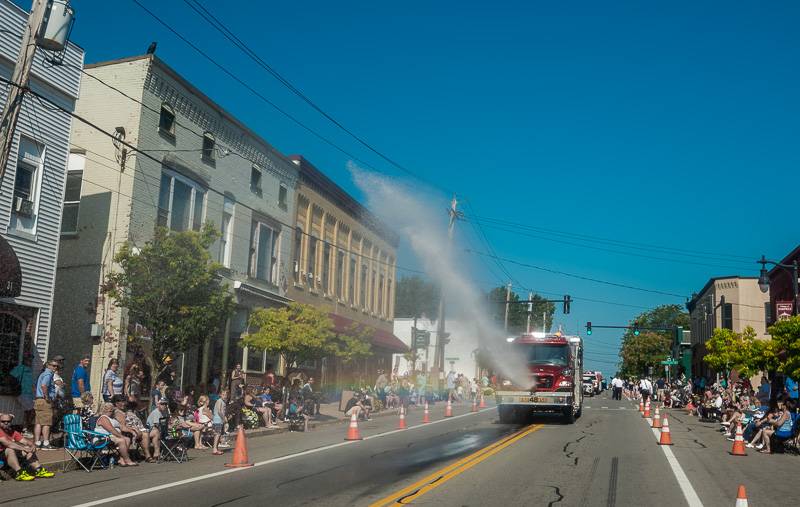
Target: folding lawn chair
<point x="173" y="443"/>
<point x="82" y="444"/>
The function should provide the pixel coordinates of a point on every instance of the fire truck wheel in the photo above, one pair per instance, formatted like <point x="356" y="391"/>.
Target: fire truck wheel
<point x="579" y="412"/>
<point x="569" y="415"/>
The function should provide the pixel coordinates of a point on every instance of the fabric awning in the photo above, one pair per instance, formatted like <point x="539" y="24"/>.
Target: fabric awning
<point x="10" y="271"/>
<point x="378" y="337"/>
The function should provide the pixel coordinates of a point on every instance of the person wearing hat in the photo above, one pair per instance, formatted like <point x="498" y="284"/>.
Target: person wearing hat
<point x="43" y="405"/>
<point x="161" y="411"/>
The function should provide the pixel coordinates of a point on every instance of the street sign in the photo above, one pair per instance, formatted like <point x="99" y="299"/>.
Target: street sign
<point x="669" y="362"/>
<point x="783" y="309"/>
<point x="422" y="339"/>
<point x="451" y="359"/>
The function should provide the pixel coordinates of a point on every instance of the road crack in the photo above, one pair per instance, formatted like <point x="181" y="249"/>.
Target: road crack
<point x="557" y="492"/>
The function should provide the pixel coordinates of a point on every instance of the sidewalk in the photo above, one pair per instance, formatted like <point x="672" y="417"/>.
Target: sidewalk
<point x="328" y="414"/>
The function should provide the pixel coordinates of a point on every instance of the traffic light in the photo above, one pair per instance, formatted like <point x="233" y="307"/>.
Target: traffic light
<point x="635" y="329"/>
<point x="567" y="301"/>
<point x="588" y="328"/>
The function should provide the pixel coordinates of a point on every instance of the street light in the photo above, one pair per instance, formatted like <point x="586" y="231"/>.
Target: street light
<point x="763" y="278"/>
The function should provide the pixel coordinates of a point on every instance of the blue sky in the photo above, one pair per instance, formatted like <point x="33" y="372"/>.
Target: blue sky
<point x="671" y="124"/>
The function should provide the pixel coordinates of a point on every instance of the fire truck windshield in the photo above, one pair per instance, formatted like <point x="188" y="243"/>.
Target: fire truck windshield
<point x="549" y="354"/>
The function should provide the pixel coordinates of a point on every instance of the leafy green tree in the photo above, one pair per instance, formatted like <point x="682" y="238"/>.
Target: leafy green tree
<point x="171" y="288"/>
<point x="300" y="333"/>
<point x="651" y="347"/>
<point x="518" y="312"/>
<point x="416" y="297"/>
<point x="728" y="350"/>
<point x="784" y="347"/>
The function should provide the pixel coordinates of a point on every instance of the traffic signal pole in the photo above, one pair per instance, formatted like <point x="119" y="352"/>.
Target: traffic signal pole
<point x="437" y="369"/>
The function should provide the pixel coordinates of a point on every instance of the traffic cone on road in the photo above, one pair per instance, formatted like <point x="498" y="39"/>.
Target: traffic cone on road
<point x="352" y="430"/>
<point x="646" y="412"/>
<point x="657" y="419"/>
<point x="741" y="497"/>
<point x="483" y="402"/>
<point x="402" y="424"/>
<point x="641" y="407"/>
<point x="240" y="451"/>
<point x="448" y="409"/>
<point x="666" y="439"/>
<point x="474" y="405"/>
<point x="738" y="442"/>
<point x="426" y="415"/>
<point x="690" y="407"/>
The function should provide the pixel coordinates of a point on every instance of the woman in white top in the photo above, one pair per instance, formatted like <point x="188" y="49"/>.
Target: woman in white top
<point x="112" y="382"/>
<point x="108" y="425"/>
<point x="205" y="417"/>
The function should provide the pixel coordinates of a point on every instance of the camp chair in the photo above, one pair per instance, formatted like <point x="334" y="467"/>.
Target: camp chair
<point x="173" y="442"/>
<point x="83" y="444"/>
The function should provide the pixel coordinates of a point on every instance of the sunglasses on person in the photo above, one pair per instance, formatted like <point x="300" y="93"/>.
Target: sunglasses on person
<point x="5" y="421"/>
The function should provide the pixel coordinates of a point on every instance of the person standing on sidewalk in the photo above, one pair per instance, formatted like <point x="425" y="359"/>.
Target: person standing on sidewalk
<point x="616" y="386"/>
<point x="646" y="388"/>
<point x="80" y="381"/>
<point x="43" y="405"/>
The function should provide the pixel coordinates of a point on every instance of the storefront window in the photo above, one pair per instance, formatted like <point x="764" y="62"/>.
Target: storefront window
<point x="15" y="350"/>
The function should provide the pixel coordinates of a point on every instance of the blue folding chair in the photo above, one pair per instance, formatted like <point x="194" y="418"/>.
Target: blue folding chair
<point x="83" y="444"/>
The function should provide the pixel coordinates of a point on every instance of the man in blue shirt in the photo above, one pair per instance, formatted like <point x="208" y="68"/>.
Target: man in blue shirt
<point x="43" y="405"/>
<point x="80" y="381"/>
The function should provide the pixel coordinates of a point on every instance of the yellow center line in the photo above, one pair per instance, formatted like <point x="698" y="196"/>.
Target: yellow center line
<point x="422" y="486"/>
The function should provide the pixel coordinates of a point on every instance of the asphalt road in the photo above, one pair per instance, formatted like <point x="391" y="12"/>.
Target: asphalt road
<point x="608" y="457"/>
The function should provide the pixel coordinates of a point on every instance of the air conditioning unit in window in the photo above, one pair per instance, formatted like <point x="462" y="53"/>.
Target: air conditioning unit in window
<point x="296" y="267"/>
<point x="23" y="207"/>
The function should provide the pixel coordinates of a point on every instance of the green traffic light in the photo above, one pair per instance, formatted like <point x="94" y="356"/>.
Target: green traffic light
<point x="635" y="332"/>
<point x="588" y="331"/>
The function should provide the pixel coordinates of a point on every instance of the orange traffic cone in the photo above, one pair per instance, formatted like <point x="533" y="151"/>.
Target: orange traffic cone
<point x="657" y="419"/>
<point x="641" y="407"/>
<point x="402" y="424"/>
<point x="666" y="439"/>
<point x="646" y="412"/>
<point x="426" y="415"/>
<point x="352" y="430"/>
<point x="483" y="402"/>
<point x="738" y="442"/>
<point x="690" y="407"/>
<point x="741" y="497"/>
<point x="240" y="451"/>
<point x="474" y="405"/>
<point x="448" y="409"/>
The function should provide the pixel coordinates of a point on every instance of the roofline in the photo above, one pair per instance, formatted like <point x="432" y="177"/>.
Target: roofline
<point x="309" y="173"/>
<point x="199" y="94"/>
<point x="692" y="302"/>
<point x="786" y="260"/>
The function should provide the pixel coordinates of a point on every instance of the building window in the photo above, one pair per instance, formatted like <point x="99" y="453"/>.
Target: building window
<point x="282" y="196"/>
<point x="208" y="146"/>
<point x="339" y="281"/>
<point x="727" y="316"/>
<point x="264" y="249"/>
<point x="226" y="233"/>
<point x="312" y="259"/>
<point x="72" y="194"/>
<point x="298" y="250"/>
<point x="166" y="120"/>
<point x="181" y="203"/>
<point x="27" y="185"/>
<point x="363" y="289"/>
<point x="255" y="180"/>
<point x="351" y="282"/>
<point x="326" y="268"/>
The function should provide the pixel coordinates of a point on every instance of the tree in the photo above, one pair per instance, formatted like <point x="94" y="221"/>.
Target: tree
<point x="651" y="347"/>
<point x="416" y="297"/>
<point x="640" y="352"/>
<point x="727" y="350"/>
<point x="518" y="312"/>
<point x="171" y="288"/>
<point x="301" y="333"/>
<point x="784" y="347"/>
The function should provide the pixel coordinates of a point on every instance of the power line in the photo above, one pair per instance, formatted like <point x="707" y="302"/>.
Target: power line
<point x="198" y="8"/>
<point x="632" y="244"/>
<point x="580" y="277"/>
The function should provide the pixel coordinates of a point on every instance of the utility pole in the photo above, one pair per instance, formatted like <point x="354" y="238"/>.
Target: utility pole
<point x="508" y="298"/>
<point x="438" y="356"/>
<point x="544" y="321"/>
<point x="530" y="311"/>
<point x="19" y="79"/>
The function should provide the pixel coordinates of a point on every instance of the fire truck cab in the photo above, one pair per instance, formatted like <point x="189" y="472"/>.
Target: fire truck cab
<point x="554" y="367"/>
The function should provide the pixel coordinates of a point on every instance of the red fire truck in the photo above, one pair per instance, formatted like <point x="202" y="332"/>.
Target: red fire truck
<point x="554" y="367"/>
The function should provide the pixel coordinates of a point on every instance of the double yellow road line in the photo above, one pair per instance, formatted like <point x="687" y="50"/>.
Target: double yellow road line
<point x="436" y="479"/>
